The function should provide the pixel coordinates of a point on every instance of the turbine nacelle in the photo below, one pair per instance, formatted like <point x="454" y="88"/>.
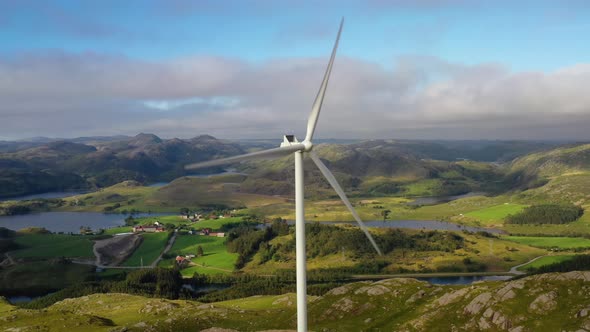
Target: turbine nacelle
<point x="291" y="140"/>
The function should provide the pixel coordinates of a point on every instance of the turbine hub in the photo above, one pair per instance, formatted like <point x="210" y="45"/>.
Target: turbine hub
<point x="308" y="145"/>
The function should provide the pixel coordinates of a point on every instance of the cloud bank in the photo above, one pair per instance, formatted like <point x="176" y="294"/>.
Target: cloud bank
<point x="73" y="94"/>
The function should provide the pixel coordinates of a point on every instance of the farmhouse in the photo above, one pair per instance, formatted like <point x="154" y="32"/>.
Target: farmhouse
<point x="208" y="232"/>
<point x="148" y="229"/>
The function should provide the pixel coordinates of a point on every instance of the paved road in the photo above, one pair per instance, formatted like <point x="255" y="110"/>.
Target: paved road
<point x="514" y="270"/>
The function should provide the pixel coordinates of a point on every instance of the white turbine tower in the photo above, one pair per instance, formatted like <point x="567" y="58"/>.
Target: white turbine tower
<point x="291" y="145"/>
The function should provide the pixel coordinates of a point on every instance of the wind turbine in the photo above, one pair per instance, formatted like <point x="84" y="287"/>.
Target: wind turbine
<point x="290" y="145"/>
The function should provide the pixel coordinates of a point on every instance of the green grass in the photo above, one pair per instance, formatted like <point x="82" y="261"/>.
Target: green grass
<point x="551" y="242"/>
<point x="53" y="245"/>
<point x="496" y="212"/>
<point x="216" y="258"/>
<point x="261" y="302"/>
<point x="215" y="224"/>
<point x="117" y="230"/>
<point x="152" y="245"/>
<point x="547" y="260"/>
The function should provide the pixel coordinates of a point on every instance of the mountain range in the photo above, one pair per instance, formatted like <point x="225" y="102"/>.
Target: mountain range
<point x="373" y="166"/>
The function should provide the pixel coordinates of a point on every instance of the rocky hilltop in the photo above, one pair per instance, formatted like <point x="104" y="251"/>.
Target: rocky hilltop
<point x="548" y="302"/>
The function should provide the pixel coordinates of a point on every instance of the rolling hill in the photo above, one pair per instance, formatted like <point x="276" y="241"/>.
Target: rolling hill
<point x="549" y="302"/>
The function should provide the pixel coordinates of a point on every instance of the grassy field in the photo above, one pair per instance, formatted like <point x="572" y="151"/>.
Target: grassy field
<point x="216" y="258"/>
<point x="547" y="260"/>
<point x="53" y="245"/>
<point x="551" y="242"/>
<point x="496" y="213"/>
<point x="369" y="208"/>
<point x="176" y="220"/>
<point x="262" y="302"/>
<point x="152" y="245"/>
<point x="117" y="230"/>
<point x="215" y="224"/>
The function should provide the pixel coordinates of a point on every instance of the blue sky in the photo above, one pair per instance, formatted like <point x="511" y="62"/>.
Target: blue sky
<point x="388" y="44"/>
<point x="525" y="35"/>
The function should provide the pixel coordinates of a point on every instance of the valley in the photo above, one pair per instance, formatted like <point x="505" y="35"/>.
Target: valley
<point x="444" y="220"/>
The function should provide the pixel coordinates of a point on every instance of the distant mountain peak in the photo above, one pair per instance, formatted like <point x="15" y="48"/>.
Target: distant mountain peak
<point x="204" y="138"/>
<point x="143" y="138"/>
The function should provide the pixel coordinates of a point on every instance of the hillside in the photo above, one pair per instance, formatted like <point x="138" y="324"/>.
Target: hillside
<point x="100" y="163"/>
<point x="555" y="162"/>
<point x="549" y="302"/>
<point x="376" y="168"/>
<point x="95" y="162"/>
<point x="560" y="174"/>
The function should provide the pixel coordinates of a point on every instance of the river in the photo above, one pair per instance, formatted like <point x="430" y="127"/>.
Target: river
<point x="461" y="280"/>
<point x="68" y="221"/>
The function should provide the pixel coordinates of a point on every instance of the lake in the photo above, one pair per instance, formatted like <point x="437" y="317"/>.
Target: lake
<point x="462" y="280"/>
<point x="68" y="221"/>
<point x="415" y="224"/>
<point x="443" y="199"/>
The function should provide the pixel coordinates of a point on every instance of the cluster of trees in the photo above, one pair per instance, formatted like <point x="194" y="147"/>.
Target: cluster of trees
<point x="158" y="282"/>
<point x="327" y="240"/>
<point x="547" y="214"/>
<point x="324" y="240"/>
<point x="246" y="239"/>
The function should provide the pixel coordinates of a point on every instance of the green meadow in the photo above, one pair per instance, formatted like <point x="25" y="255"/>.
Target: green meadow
<point x="551" y="242"/>
<point x="150" y="248"/>
<point x="215" y="224"/>
<point x="117" y="230"/>
<point x="496" y="213"/>
<point x="216" y="259"/>
<point x="53" y="245"/>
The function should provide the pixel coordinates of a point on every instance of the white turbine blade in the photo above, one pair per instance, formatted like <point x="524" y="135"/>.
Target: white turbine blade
<point x="330" y="177"/>
<point x="276" y="152"/>
<point x="319" y="99"/>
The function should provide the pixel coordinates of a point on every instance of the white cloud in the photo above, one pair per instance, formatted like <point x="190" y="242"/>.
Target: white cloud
<point x="61" y="94"/>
